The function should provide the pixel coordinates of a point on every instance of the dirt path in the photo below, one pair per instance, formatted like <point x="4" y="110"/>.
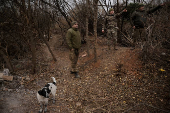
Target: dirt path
<point x="112" y="84"/>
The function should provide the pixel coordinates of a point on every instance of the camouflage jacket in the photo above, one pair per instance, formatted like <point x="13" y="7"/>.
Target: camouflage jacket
<point x="73" y="38"/>
<point x="139" y="18"/>
<point x="110" y="21"/>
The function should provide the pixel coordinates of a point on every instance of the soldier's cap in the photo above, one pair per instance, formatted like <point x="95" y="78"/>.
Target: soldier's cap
<point x="141" y="5"/>
<point x="111" y="9"/>
<point x="73" y="22"/>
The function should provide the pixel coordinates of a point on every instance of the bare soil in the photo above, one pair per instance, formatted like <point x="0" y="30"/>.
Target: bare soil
<point x="116" y="83"/>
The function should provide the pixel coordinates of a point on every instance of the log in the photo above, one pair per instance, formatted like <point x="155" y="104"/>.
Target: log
<point x="8" y="78"/>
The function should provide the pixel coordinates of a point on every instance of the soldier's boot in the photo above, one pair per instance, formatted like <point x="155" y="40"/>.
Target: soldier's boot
<point x="77" y="75"/>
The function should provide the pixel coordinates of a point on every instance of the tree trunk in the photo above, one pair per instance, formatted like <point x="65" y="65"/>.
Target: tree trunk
<point x="87" y="18"/>
<point x="58" y="7"/>
<point x="45" y="41"/>
<point x="50" y="8"/>
<point x="23" y="6"/>
<point x="7" y="60"/>
<point x="95" y="27"/>
<point x="119" y="40"/>
<point x="33" y="54"/>
<point x="123" y="18"/>
<point x="33" y="50"/>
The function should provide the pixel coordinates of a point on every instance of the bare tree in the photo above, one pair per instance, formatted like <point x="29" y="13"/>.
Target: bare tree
<point x="95" y="2"/>
<point x="6" y="57"/>
<point x="87" y="16"/>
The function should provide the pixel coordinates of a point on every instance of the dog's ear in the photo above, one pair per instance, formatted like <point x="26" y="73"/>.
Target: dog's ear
<point x="48" y="90"/>
<point x="43" y="92"/>
<point x="47" y="85"/>
<point x="54" y="83"/>
<point x="40" y="92"/>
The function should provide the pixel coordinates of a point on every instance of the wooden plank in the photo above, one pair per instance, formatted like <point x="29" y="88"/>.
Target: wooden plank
<point x="8" y="78"/>
<point x="1" y="75"/>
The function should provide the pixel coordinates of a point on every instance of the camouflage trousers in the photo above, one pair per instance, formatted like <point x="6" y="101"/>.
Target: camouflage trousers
<point x="139" y="35"/>
<point x="112" y="37"/>
<point x="74" y="58"/>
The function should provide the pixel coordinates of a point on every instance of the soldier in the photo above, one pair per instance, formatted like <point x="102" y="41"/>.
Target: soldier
<point x="139" y="23"/>
<point x="110" y="23"/>
<point x="73" y="39"/>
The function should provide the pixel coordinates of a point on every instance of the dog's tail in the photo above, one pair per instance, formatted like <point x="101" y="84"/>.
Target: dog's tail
<point x="54" y="81"/>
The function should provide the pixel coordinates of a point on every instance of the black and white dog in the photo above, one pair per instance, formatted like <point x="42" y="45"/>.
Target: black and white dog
<point x="43" y="94"/>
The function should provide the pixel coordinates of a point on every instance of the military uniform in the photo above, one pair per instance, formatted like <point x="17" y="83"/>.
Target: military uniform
<point x="139" y="20"/>
<point x="110" y="23"/>
<point x="73" y="39"/>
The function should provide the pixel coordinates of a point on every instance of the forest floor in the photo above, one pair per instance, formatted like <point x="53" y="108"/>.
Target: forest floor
<point x="116" y="83"/>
